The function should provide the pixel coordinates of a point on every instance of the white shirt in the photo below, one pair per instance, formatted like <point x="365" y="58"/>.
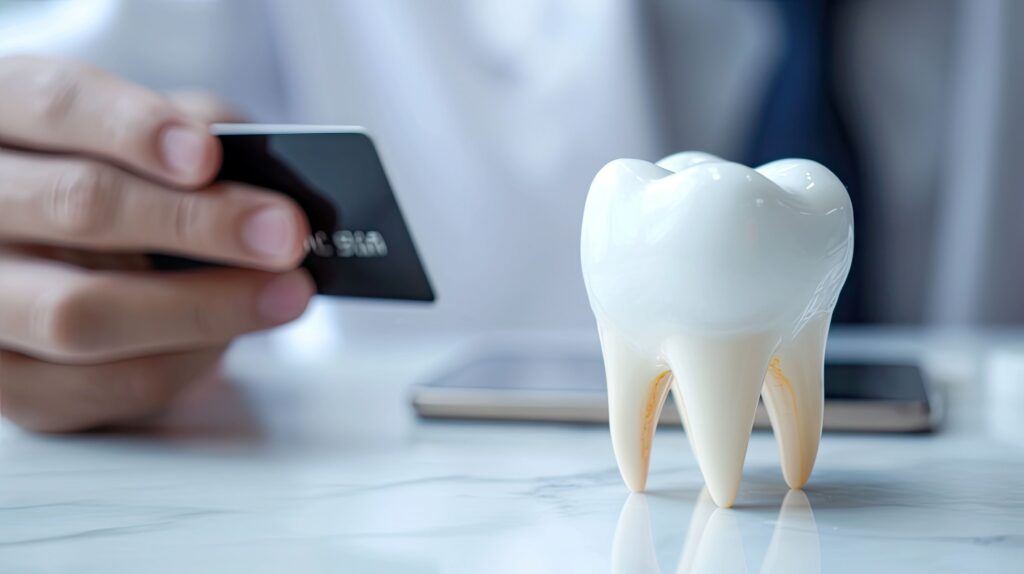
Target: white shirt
<point x="492" y="116"/>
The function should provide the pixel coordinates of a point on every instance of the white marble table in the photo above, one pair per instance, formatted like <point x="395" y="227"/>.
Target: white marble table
<point x="308" y="459"/>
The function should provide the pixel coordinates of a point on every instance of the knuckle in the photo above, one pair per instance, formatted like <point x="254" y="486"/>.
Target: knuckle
<point x="57" y="88"/>
<point x="186" y="219"/>
<point x="205" y="326"/>
<point x="84" y="199"/>
<point x="66" y="321"/>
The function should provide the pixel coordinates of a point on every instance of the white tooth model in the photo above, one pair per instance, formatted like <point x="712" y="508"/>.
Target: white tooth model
<point x="717" y="281"/>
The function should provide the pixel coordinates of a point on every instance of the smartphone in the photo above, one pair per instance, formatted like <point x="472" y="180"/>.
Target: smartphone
<point x="859" y="397"/>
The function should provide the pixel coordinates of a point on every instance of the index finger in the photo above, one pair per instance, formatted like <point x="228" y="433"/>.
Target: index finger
<point x="62" y="106"/>
<point x="67" y="202"/>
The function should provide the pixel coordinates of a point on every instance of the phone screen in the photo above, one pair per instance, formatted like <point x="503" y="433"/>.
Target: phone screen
<point x="843" y="381"/>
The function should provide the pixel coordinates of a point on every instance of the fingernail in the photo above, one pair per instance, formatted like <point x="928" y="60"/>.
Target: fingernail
<point x="183" y="149"/>
<point x="285" y="298"/>
<point x="270" y="232"/>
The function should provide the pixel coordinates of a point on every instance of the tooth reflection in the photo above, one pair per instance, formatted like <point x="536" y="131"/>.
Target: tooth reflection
<point x="633" y="545"/>
<point x="795" y="546"/>
<point x="714" y="542"/>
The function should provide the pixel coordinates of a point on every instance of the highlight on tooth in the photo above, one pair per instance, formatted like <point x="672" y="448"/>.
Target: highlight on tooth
<point x="717" y="282"/>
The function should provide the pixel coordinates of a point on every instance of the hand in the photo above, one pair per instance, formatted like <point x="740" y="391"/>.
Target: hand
<point x="94" y="173"/>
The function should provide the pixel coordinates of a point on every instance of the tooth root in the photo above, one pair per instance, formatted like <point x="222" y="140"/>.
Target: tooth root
<point x="677" y="397"/>
<point x="719" y="380"/>
<point x="794" y="397"/>
<point x="636" y="393"/>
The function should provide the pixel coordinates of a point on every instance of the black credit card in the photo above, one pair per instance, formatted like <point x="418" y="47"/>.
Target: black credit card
<point x="360" y="244"/>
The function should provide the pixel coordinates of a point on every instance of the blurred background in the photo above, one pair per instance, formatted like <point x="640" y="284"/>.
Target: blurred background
<point x="493" y="116"/>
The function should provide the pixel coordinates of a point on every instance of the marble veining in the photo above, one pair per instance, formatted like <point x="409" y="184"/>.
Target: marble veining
<point x="282" y="465"/>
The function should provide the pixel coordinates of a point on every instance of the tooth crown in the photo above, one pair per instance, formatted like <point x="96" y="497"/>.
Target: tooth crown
<point x="716" y="247"/>
<point x="746" y="264"/>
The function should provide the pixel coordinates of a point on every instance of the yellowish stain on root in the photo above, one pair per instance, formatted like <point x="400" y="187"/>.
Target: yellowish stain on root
<point x="652" y="408"/>
<point x="775" y="368"/>
<point x="783" y="382"/>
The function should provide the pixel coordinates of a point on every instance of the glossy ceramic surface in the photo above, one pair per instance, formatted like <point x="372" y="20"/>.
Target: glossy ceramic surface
<point x="716" y="281"/>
